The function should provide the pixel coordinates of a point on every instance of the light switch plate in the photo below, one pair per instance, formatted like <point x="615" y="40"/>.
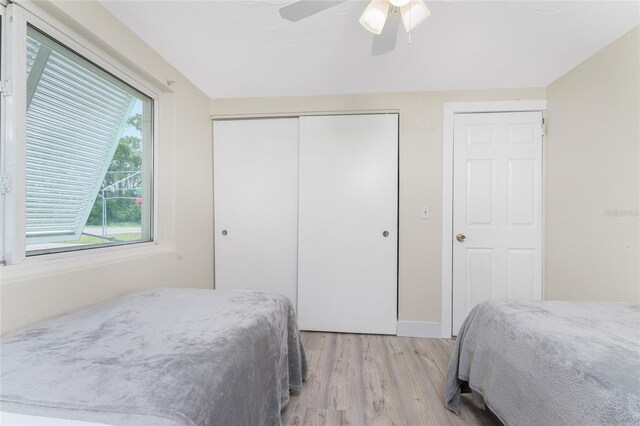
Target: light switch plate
<point x="425" y="213"/>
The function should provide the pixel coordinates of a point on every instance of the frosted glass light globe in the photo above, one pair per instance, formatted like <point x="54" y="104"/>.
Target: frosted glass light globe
<point x="375" y="16"/>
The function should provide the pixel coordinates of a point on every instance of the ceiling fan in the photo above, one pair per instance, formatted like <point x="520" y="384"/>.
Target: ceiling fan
<point x="381" y="17"/>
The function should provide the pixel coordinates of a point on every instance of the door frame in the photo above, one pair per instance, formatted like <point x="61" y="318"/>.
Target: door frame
<point x="450" y="110"/>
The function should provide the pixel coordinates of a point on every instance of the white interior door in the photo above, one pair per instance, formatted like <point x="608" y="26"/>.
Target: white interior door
<point x="497" y="210"/>
<point x="256" y="205"/>
<point x="347" y="270"/>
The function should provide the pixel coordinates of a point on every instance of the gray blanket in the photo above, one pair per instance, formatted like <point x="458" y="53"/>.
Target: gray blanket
<point x="164" y="356"/>
<point x="550" y="363"/>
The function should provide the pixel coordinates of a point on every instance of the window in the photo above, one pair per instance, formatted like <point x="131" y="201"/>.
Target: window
<point x="89" y="153"/>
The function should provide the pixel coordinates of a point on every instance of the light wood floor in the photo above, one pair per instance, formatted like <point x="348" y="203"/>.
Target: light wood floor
<point x="358" y="379"/>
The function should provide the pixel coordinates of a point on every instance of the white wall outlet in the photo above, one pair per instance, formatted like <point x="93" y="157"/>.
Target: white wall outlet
<point x="425" y="213"/>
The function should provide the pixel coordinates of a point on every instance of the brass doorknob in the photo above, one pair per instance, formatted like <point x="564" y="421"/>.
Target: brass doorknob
<point x="460" y="237"/>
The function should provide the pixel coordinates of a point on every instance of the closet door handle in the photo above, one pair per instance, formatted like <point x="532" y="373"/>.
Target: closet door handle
<point x="224" y="232"/>
<point x="385" y="234"/>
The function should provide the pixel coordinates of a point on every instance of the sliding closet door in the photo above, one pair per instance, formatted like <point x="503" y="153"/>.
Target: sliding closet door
<point x="347" y="244"/>
<point x="256" y="205"/>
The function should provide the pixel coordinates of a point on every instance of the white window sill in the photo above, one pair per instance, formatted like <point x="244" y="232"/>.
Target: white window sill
<point x="66" y="262"/>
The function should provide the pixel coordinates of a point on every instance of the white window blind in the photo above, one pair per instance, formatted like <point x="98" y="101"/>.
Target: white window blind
<point x="76" y="115"/>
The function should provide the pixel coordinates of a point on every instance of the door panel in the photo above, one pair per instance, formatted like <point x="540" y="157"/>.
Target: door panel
<point x="256" y="205"/>
<point x="480" y="194"/>
<point x="479" y="274"/>
<point x="347" y="273"/>
<point x="522" y="275"/>
<point x="497" y="207"/>
<point x="522" y="192"/>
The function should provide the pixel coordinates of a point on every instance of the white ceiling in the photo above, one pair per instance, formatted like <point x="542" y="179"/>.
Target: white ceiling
<point x="245" y="49"/>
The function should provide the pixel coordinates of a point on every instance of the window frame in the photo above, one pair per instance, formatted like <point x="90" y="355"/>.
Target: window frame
<point x="3" y="109"/>
<point x="16" y="20"/>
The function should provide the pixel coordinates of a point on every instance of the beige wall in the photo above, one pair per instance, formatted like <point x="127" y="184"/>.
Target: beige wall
<point x="184" y="259"/>
<point x="420" y="174"/>
<point x="592" y="169"/>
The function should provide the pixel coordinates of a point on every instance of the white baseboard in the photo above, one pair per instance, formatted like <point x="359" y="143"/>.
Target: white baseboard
<point x="418" y="329"/>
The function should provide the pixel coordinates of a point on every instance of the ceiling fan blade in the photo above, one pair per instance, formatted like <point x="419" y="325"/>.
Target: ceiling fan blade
<point x="386" y="41"/>
<point x="304" y="8"/>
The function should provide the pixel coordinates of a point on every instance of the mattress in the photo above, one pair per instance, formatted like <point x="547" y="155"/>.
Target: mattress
<point x="550" y="363"/>
<point x="161" y="356"/>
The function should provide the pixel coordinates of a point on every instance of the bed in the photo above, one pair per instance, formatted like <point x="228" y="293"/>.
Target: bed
<point x="550" y="363"/>
<point x="158" y="357"/>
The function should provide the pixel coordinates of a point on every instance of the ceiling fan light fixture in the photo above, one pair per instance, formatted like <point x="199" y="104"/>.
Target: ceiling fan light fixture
<point x="375" y="15"/>
<point x="413" y="14"/>
<point x="399" y="3"/>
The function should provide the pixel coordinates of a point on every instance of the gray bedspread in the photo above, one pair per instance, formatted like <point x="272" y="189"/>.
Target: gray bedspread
<point x="550" y="363"/>
<point x="162" y="356"/>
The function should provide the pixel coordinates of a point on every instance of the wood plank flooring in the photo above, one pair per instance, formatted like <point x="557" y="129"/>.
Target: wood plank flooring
<point x="359" y="379"/>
